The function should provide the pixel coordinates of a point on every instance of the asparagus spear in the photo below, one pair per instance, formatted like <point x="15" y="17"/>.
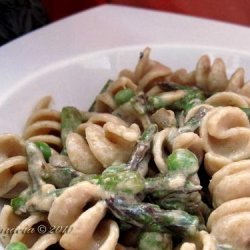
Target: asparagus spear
<point x="59" y="177"/>
<point x="71" y="118"/>
<point x="123" y="96"/>
<point x="160" y="187"/>
<point x="193" y="96"/>
<point x="150" y="217"/>
<point x="195" y="121"/>
<point x="125" y="181"/>
<point x="41" y="195"/>
<point x="24" y="204"/>
<point x="35" y="165"/>
<point x="180" y="201"/>
<point x="140" y="103"/>
<point x="155" y="241"/>
<point x="129" y="182"/>
<point x="142" y="147"/>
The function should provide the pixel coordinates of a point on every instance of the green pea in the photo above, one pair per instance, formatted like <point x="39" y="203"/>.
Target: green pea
<point x="45" y="149"/>
<point x="123" y="96"/>
<point x="17" y="202"/>
<point x="16" y="246"/>
<point x="182" y="161"/>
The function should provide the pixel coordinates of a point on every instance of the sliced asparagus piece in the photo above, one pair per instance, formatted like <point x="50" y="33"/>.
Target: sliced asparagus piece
<point x="71" y="118"/>
<point x="125" y="181"/>
<point x="160" y="187"/>
<point x="150" y="217"/>
<point x="193" y="96"/>
<point x="35" y="165"/>
<point x="123" y="96"/>
<point x="142" y="147"/>
<point x="129" y="182"/>
<point x="194" y="122"/>
<point x="140" y="103"/>
<point x="60" y="177"/>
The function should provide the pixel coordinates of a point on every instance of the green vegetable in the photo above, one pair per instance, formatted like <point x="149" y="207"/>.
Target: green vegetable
<point x="193" y="96"/>
<point x="116" y="179"/>
<point x="45" y="149"/>
<point x="16" y="246"/>
<point x="154" y="241"/>
<point x="142" y="147"/>
<point x="123" y="96"/>
<point x="60" y="177"/>
<point x="129" y="182"/>
<point x="194" y="122"/>
<point x="35" y="165"/>
<point x="17" y="203"/>
<point x="151" y="217"/>
<point x="162" y="186"/>
<point x="157" y="102"/>
<point x="182" y="161"/>
<point x="71" y="118"/>
<point x="140" y="103"/>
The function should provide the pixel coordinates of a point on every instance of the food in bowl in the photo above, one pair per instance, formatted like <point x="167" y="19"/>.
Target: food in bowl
<point x="159" y="161"/>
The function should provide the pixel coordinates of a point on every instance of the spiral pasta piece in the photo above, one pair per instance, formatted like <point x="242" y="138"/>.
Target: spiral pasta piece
<point x="80" y="155"/>
<point x="147" y="72"/>
<point x="13" y="166"/>
<point x="230" y="223"/>
<point x="226" y="137"/>
<point x="228" y="99"/>
<point x="88" y="229"/>
<point x="44" y="124"/>
<point x="201" y="241"/>
<point x="231" y="182"/>
<point x="109" y="138"/>
<point x="17" y="229"/>
<point x="212" y="77"/>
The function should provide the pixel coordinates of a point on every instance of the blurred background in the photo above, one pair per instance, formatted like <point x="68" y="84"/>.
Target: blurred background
<point x="18" y="17"/>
